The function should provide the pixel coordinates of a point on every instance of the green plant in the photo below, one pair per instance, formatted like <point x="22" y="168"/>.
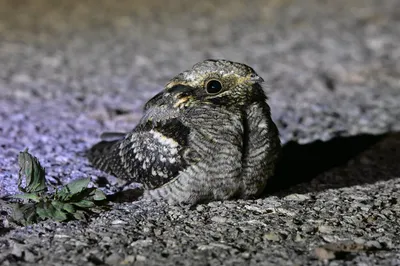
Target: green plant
<point x="74" y="200"/>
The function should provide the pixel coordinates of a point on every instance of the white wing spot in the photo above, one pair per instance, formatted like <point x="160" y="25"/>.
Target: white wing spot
<point x="164" y="140"/>
<point x="163" y="159"/>
<point x="138" y="156"/>
<point x="161" y="174"/>
<point x="174" y="151"/>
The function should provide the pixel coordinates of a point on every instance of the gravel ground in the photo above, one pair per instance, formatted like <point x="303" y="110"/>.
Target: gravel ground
<point x="72" y="69"/>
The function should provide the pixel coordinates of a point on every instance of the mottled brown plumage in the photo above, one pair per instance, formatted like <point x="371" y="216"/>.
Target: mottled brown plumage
<point x="207" y="136"/>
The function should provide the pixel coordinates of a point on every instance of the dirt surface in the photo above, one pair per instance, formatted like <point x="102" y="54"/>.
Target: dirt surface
<point x="73" y="69"/>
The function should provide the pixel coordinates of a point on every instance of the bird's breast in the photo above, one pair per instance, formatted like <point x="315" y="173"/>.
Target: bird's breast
<point x="213" y="130"/>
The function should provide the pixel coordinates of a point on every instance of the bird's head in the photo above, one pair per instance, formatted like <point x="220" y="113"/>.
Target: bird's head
<point x="218" y="82"/>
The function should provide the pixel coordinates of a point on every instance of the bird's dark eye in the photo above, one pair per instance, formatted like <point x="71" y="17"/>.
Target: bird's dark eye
<point x="213" y="86"/>
<point x="253" y="75"/>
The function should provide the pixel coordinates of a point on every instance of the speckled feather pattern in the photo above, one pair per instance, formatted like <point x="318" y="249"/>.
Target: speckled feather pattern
<point x="192" y="145"/>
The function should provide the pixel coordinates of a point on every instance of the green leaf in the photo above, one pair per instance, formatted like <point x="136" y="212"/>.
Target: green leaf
<point x="45" y="210"/>
<point x="31" y="216"/>
<point x="59" y="213"/>
<point x="84" y="204"/>
<point x="79" y="215"/>
<point x="77" y="186"/>
<point x="42" y="213"/>
<point x="30" y="196"/>
<point x="99" y="195"/>
<point x="60" y="216"/>
<point x="73" y="188"/>
<point x="57" y="204"/>
<point x="34" y="173"/>
<point x="24" y="214"/>
<point x="69" y="207"/>
<point x="86" y="193"/>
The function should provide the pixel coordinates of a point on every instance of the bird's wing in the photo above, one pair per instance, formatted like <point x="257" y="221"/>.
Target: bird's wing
<point x="151" y="155"/>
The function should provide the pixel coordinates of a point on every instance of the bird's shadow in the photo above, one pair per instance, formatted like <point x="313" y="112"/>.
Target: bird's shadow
<point x="309" y="163"/>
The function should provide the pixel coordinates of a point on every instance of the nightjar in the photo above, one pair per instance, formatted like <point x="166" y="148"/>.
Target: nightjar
<point x="207" y="136"/>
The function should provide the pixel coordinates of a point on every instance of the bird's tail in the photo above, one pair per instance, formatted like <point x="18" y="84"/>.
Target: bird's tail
<point x="100" y="153"/>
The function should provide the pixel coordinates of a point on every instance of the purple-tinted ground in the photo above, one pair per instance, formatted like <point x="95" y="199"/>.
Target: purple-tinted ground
<point x="73" y="69"/>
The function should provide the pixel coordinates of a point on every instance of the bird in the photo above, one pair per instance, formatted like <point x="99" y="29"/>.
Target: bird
<point x="207" y="136"/>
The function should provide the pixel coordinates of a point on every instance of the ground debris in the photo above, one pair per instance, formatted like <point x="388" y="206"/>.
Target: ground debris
<point x="346" y="249"/>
